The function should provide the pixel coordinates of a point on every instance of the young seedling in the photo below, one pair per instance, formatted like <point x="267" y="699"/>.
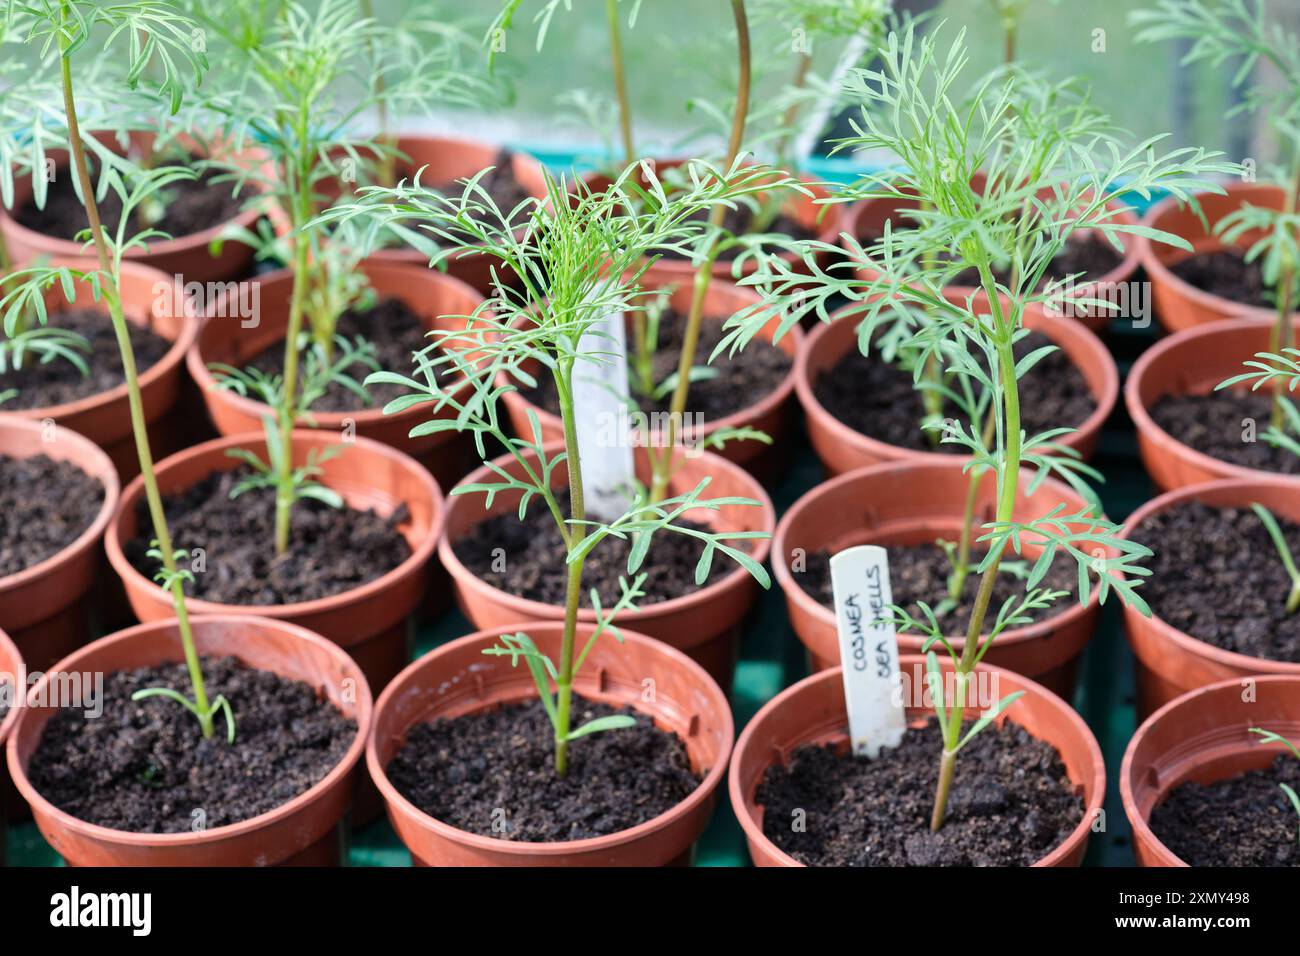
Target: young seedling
<point x="505" y="18"/>
<point x="910" y="108"/>
<point x="580" y="257"/>
<point x="153" y="32"/>
<point x="298" y="103"/>
<point x="1269" y="737"/>
<point x="1233" y="32"/>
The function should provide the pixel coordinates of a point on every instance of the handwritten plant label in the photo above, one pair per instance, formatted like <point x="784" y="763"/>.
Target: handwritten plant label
<point x="868" y="648"/>
<point x="600" y="409"/>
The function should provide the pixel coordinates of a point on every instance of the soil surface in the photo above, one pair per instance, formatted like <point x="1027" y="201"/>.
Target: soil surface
<point x="1212" y="425"/>
<point x="331" y="550"/>
<point x="45" y="505"/>
<point x="1218" y="577"/>
<point x="743" y="379"/>
<point x="46" y="384"/>
<point x="879" y="400"/>
<point x="190" y="206"/>
<point x="144" y="766"/>
<point x="1227" y="274"/>
<point x="532" y="559"/>
<point x="394" y="330"/>
<point x="920" y="573"/>
<point x="497" y="767"/>
<point x="1244" y="820"/>
<point x="1011" y="803"/>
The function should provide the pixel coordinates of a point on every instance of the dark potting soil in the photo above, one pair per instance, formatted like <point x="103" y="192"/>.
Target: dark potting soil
<point x="879" y="399"/>
<point x="189" y="206"/>
<point x="497" y="767"/>
<point x="1227" y="274"/>
<point x="1213" y="425"/>
<point x="396" y="333"/>
<point x="1011" y="803"/>
<point x="743" y="379"/>
<point x="144" y="766"/>
<point x="46" y="384"/>
<point x="1244" y="820"/>
<point x="740" y="220"/>
<point x="920" y="573"/>
<point x="1086" y="254"/>
<point x="331" y="550"/>
<point x="1218" y="577"/>
<point x="531" y="560"/>
<point x="45" y="505"/>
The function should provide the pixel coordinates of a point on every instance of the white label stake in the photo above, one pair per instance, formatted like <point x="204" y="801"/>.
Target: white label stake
<point x="868" y="648"/>
<point x="600" y="409"/>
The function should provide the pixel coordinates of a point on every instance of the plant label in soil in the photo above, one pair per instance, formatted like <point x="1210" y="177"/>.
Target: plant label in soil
<point x="600" y="404"/>
<point x="868" y="648"/>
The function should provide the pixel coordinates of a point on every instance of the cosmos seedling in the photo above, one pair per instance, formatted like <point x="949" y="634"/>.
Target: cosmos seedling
<point x="1269" y="737"/>
<point x="580" y="256"/>
<point x="153" y="33"/>
<point x="910" y="107"/>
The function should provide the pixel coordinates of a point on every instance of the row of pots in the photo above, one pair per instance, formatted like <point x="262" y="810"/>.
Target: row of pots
<point x="1201" y="736"/>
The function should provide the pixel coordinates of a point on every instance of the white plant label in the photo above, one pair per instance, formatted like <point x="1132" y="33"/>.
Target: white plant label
<point x="600" y="410"/>
<point x="868" y="648"/>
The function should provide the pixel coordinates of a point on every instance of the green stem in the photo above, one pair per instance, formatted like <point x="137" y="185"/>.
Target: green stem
<point x="387" y="174"/>
<point x="573" y="587"/>
<point x="620" y="81"/>
<point x="961" y="570"/>
<point x="801" y="70"/>
<point x="704" y="274"/>
<point x="1008" y="487"/>
<point x="112" y="295"/>
<point x="1282" y="336"/>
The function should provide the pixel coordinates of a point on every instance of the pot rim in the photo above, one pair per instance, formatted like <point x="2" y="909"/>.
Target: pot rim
<point x="1167" y="632"/>
<point x="10" y="650"/>
<point x="850" y="437"/>
<point x="754" y="832"/>
<point x="107" y="476"/>
<point x="418" y="558"/>
<point x="327" y="420"/>
<point x="1161" y="273"/>
<point x="533" y="610"/>
<point x="1139" y="823"/>
<point x="102" y="834"/>
<point x="69" y="248"/>
<point x="703" y="791"/>
<point x="793" y="592"/>
<point x="172" y="359"/>
<point x="1173" y="343"/>
<point x="767" y="404"/>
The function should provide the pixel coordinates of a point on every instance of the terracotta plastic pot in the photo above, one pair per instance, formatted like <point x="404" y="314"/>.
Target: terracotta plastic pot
<point x="370" y="622"/>
<point x="1202" y="736"/>
<point x="1169" y="662"/>
<point x="870" y="216"/>
<point x="705" y="623"/>
<point x="842" y="449"/>
<point x="457" y="679"/>
<point x="13" y="672"/>
<point x="46" y="608"/>
<point x="1191" y="362"/>
<point x="812" y="712"/>
<point x="820" y="219"/>
<point x="1180" y="305"/>
<point x="186" y="256"/>
<point x="906" y="503"/>
<point x="769" y="413"/>
<point x="441" y="303"/>
<point x="305" y="831"/>
<point x="105" y="418"/>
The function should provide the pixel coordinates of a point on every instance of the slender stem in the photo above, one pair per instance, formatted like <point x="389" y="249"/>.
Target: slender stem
<point x="573" y="588"/>
<point x="387" y="173"/>
<point x="620" y="81"/>
<point x="957" y="583"/>
<point x="1008" y="487"/>
<point x="112" y="294"/>
<point x="1009" y="43"/>
<point x="704" y="274"/>
<point x="801" y="70"/>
